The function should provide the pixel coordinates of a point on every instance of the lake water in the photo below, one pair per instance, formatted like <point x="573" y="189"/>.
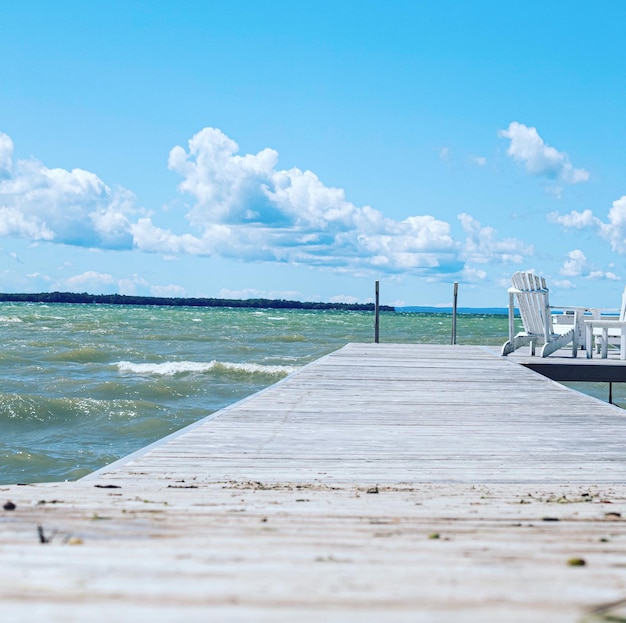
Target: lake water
<point x="83" y="385"/>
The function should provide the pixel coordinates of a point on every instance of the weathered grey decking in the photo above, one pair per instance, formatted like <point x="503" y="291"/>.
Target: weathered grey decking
<point x="318" y="498"/>
<point x="402" y="413"/>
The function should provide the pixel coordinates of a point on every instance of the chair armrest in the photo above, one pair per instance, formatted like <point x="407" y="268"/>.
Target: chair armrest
<point x="605" y="323"/>
<point x="610" y="314"/>
<point x="574" y="308"/>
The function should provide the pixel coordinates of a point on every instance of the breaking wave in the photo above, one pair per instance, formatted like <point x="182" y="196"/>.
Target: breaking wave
<point x="172" y="368"/>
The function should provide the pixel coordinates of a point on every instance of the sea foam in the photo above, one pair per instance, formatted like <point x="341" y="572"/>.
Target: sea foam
<point x="171" y="368"/>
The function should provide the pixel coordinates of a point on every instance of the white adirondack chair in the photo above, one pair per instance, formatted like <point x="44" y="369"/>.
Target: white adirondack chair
<point x="531" y="293"/>
<point x="605" y="330"/>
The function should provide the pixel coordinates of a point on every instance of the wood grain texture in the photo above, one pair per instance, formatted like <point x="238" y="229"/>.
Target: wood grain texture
<point x="380" y="483"/>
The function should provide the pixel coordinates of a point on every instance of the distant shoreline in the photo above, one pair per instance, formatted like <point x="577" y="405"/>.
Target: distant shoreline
<point x="483" y="311"/>
<point x="122" y="299"/>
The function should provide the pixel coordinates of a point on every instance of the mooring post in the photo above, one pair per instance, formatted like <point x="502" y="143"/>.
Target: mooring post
<point x="454" y="302"/>
<point x="377" y="314"/>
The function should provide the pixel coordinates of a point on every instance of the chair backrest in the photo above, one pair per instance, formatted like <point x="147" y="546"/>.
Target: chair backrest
<point x="533" y="303"/>
<point x="622" y="313"/>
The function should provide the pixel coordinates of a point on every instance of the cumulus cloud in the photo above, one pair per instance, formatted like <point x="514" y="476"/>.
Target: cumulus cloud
<point x="241" y="206"/>
<point x="577" y="265"/>
<point x="105" y="283"/>
<point x="482" y="247"/>
<point x="474" y="275"/>
<point x="71" y="207"/>
<point x="613" y="230"/>
<point x="132" y="285"/>
<point x="574" y="220"/>
<point x="527" y="147"/>
<point x="89" y="280"/>
<point x="563" y="284"/>
<point x="246" y="207"/>
<point x="6" y="156"/>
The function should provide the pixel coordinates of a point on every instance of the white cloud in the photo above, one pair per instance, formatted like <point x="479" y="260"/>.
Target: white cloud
<point x="14" y="223"/>
<point x="600" y="274"/>
<point x="613" y="230"/>
<point x="247" y="208"/>
<point x="344" y="298"/>
<point x="243" y="207"/>
<point x="105" y="283"/>
<point x="152" y="239"/>
<point x="71" y="207"/>
<point x="226" y="186"/>
<point x="89" y="281"/>
<point x="6" y="156"/>
<point x="542" y="160"/>
<point x="132" y="286"/>
<point x="577" y="265"/>
<point x="479" y="161"/>
<point x="474" y="275"/>
<point x="482" y="247"/>
<point x="574" y="220"/>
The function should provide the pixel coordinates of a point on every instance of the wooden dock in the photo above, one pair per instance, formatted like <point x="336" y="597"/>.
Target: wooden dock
<point x="380" y="483"/>
<point x="561" y="366"/>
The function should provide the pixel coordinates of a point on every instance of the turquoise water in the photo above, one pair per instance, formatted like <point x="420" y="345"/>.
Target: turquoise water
<point x="83" y="385"/>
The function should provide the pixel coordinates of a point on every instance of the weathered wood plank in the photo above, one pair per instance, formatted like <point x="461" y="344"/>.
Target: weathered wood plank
<point x="318" y="498"/>
<point x="353" y="411"/>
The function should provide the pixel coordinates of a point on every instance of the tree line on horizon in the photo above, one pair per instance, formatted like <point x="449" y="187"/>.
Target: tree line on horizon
<point x="125" y="299"/>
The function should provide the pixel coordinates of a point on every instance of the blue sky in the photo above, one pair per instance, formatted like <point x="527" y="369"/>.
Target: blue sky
<point x="306" y="149"/>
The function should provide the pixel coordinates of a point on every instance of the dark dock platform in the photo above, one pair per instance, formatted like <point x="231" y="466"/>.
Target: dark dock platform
<point x="561" y="366"/>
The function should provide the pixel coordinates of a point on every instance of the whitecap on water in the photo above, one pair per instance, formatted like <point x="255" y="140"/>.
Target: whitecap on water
<point x="167" y="368"/>
<point x="257" y="368"/>
<point x="171" y="368"/>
